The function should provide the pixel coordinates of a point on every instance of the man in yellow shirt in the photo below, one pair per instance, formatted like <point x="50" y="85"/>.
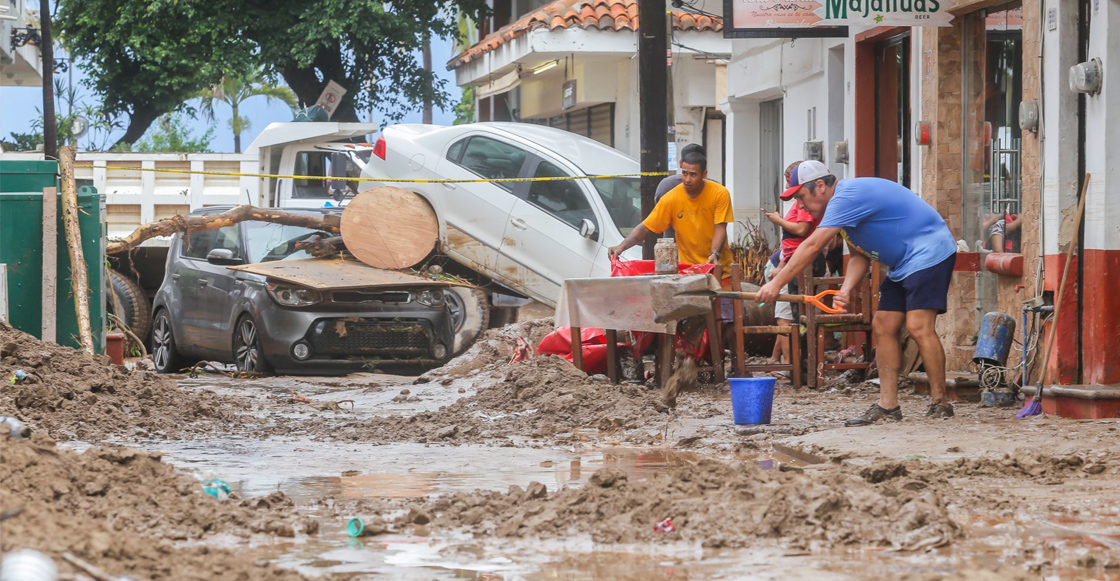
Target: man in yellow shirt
<point x="698" y="210"/>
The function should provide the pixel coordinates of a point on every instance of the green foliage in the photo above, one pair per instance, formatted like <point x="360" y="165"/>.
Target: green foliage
<point x="146" y="58"/>
<point x="235" y="90"/>
<point x="173" y="136"/>
<point x="464" y="111"/>
<point x="68" y="108"/>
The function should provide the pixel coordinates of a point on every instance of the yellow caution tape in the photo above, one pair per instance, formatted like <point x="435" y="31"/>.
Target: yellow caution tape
<point x="382" y="180"/>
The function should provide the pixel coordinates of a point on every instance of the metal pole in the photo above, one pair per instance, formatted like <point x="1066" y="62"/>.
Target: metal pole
<point x="653" y="107"/>
<point x="50" y="125"/>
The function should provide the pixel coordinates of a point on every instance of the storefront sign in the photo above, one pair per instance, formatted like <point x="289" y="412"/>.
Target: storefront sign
<point x="569" y="97"/>
<point x="885" y="13"/>
<point x="777" y="19"/>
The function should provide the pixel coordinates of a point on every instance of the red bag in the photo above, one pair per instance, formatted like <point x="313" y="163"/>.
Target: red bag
<point x="646" y="267"/>
<point x="642" y="341"/>
<point x="594" y="350"/>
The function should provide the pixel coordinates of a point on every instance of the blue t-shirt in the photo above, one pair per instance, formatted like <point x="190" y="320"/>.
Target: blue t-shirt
<point x="887" y="222"/>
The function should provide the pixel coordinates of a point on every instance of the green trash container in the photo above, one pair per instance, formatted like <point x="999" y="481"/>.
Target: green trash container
<point x="21" y="250"/>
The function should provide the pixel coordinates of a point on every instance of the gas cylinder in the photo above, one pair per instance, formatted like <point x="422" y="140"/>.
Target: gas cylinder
<point x="993" y="344"/>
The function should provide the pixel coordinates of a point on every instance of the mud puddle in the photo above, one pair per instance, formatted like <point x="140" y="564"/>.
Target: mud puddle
<point x="309" y="472"/>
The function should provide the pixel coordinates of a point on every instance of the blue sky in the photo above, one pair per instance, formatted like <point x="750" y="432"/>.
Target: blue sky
<point x="19" y="106"/>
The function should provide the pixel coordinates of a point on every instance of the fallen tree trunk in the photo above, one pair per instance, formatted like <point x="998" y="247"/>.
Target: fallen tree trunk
<point x="389" y="227"/>
<point x="177" y="224"/>
<point x="79" y="276"/>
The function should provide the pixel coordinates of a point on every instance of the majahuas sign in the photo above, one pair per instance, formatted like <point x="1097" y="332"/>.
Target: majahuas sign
<point x="797" y="18"/>
<point x="883" y="13"/>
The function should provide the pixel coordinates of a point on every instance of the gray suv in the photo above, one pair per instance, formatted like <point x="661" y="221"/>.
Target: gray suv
<point x="203" y="310"/>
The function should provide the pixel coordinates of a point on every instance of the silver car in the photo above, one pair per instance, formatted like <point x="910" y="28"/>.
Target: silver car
<point x="205" y="311"/>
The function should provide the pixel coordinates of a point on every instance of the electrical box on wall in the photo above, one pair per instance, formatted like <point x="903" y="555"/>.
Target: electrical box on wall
<point x="840" y="152"/>
<point x="1028" y="115"/>
<point x="814" y="150"/>
<point x="1086" y="77"/>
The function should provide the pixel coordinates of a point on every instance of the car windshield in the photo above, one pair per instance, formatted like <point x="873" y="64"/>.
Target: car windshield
<point x="623" y="199"/>
<point x="268" y="242"/>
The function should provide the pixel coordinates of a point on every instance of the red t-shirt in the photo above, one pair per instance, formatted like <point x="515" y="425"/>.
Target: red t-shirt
<point x="790" y="242"/>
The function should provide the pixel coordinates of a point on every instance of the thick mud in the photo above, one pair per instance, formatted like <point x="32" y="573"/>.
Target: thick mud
<point x="124" y="511"/>
<point x="74" y="396"/>
<point x="543" y="398"/>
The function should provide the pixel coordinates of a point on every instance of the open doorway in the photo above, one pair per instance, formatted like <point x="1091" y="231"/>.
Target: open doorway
<point x="892" y="109"/>
<point x="770" y="163"/>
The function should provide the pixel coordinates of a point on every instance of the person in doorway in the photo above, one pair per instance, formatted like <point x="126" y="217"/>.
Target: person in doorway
<point x="699" y="210"/>
<point x="884" y="221"/>
<point x="670" y="182"/>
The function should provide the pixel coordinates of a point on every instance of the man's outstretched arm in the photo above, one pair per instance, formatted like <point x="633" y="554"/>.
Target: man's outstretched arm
<point x="801" y="259"/>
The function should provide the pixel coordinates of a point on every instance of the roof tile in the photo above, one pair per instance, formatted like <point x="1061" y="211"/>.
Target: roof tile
<point x="616" y="15"/>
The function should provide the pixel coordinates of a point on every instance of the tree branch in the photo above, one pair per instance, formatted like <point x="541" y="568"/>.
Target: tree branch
<point x="176" y="224"/>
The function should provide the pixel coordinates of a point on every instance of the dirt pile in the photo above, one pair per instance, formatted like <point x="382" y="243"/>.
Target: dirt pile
<point x="545" y="397"/>
<point x="120" y="509"/>
<point x="717" y="505"/>
<point x="493" y="350"/>
<point x="74" y="396"/>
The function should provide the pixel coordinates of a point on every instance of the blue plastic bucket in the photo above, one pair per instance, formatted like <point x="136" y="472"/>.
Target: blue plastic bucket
<point x="752" y="399"/>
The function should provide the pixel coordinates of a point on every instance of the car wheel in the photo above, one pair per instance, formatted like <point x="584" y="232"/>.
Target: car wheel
<point x="470" y="315"/>
<point x="248" y="354"/>
<point x="165" y="356"/>
<point x="136" y="310"/>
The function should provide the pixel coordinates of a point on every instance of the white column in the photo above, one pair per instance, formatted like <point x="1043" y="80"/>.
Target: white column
<point x="1059" y="123"/>
<point x="1102" y="132"/>
<point x="741" y="171"/>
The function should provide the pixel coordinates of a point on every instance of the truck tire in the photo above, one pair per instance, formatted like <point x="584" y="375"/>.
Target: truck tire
<point x="134" y="302"/>
<point x="470" y="315"/>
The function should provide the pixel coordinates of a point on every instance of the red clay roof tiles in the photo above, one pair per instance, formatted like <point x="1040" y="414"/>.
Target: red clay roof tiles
<point x="617" y="15"/>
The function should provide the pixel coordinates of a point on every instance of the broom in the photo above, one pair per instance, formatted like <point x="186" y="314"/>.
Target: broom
<point x="1034" y="407"/>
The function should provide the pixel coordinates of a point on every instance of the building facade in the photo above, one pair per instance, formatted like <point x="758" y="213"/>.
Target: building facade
<point x="981" y="120"/>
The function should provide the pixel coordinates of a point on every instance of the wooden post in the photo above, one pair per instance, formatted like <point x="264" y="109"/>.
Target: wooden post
<point x="738" y="356"/>
<point x="577" y="347"/>
<point x="50" y="265"/>
<point x="653" y="105"/>
<point x="46" y="50"/>
<point x="79" y="277"/>
<point x="612" y="355"/>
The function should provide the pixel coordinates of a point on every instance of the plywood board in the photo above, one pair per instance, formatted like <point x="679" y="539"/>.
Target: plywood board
<point x="334" y="274"/>
<point x="389" y="227"/>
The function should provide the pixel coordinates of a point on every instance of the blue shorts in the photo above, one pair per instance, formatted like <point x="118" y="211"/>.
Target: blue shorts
<point x="924" y="289"/>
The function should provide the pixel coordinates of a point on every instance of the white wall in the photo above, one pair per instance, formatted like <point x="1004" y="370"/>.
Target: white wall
<point x="1102" y="132"/>
<point x="802" y="73"/>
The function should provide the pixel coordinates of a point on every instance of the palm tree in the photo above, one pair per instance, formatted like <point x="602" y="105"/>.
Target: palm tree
<point x="235" y="90"/>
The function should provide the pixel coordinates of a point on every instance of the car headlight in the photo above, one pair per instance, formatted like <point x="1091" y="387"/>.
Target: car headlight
<point x="430" y="298"/>
<point x="294" y="296"/>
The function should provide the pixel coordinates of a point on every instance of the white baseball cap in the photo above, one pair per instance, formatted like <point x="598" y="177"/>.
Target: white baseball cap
<point x="804" y="173"/>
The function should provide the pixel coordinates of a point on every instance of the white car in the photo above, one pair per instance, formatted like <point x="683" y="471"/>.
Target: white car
<point x="527" y="236"/>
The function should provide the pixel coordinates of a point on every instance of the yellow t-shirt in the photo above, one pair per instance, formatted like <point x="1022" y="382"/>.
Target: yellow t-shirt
<point x="694" y="221"/>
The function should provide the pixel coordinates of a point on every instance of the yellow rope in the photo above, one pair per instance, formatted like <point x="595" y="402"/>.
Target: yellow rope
<point x="382" y="180"/>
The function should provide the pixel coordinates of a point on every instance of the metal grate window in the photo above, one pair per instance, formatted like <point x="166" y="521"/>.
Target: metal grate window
<point x="595" y="122"/>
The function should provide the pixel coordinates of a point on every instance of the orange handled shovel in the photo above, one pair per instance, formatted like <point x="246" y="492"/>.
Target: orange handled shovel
<point x="677" y="297"/>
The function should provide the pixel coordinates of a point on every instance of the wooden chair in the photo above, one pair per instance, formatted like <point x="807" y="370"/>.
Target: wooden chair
<point x="818" y="324"/>
<point x="739" y="356"/>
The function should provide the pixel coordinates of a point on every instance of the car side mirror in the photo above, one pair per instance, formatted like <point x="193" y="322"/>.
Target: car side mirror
<point x="587" y="229"/>
<point x="222" y="257"/>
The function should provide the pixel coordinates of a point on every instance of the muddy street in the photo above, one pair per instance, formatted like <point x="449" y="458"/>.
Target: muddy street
<point x="493" y="469"/>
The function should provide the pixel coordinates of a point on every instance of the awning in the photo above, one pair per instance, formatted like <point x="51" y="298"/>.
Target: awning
<point x="499" y="85"/>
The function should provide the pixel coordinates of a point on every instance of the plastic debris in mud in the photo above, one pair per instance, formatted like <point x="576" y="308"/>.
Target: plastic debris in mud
<point x="28" y="565"/>
<point x="15" y="428"/>
<point x="665" y="526"/>
<point x="217" y="488"/>
<point x="19" y="376"/>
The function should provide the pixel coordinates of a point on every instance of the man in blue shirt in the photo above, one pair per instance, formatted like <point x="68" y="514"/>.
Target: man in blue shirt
<point x="884" y="221"/>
